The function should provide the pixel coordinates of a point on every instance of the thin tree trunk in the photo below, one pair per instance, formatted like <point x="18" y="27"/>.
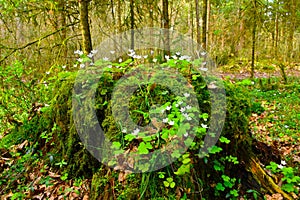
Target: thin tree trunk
<point x="292" y="8"/>
<point x="205" y="23"/>
<point x="253" y="41"/>
<point x="166" y="26"/>
<point x="198" y="33"/>
<point x="132" y="23"/>
<point x="119" y="21"/>
<point x="113" y="22"/>
<point x="62" y="23"/>
<point x="85" y="27"/>
<point x="191" y="21"/>
<point x="276" y="34"/>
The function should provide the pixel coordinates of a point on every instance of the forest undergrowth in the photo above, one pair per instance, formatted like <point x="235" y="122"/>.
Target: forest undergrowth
<point x="30" y="171"/>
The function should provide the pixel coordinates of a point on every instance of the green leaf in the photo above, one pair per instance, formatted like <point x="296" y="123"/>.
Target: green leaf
<point x="183" y="169"/>
<point x="148" y="145"/>
<point x="186" y="161"/>
<point x="166" y="183"/>
<point x="215" y="149"/>
<point x="224" y="140"/>
<point x="129" y="137"/>
<point x="161" y="174"/>
<point x="176" y="154"/>
<point x="289" y="187"/>
<point x="116" y="145"/>
<point x="172" y="185"/>
<point x="143" y="147"/>
<point x="186" y="155"/>
<point x="170" y="179"/>
<point x="220" y="187"/>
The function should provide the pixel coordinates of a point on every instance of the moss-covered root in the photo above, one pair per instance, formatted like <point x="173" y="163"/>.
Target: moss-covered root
<point x="264" y="179"/>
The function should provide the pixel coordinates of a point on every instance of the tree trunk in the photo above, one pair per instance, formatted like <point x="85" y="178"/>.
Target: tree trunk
<point x="205" y="18"/>
<point x="276" y="34"/>
<point x="197" y="22"/>
<point x="62" y="23"/>
<point x="132" y="23"/>
<point x="292" y="8"/>
<point x="166" y="26"/>
<point x="85" y="27"/>
<point x="253" y="40"/>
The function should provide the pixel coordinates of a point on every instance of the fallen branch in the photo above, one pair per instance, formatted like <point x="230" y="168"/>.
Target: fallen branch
<point x="264" y="179"/>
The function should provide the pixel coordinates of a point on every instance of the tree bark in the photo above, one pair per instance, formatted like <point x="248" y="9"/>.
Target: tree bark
<point x="132" y="23"/>
<point x="166" y="26"/>
<point x="253" y="40"/>
<point x="292" y="8"/>
<point x="205" y="23"/>
<point x="198" y="22"/>
<point x="85" y="26"/>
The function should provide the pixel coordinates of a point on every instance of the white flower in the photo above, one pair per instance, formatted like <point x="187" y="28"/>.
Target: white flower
<point x="45" y="84"/>
<point x="186" y="134"/>
<point x="171" y="123"/>
<point x="203" y="69"/>
<point x="188" y="107"/>
<point x="286" y="126"/>
<point x="176" y="105"/>
<point x="204" y="126"/>
<point x="120" y="60"/>
<point x="47" y="72"/>
<point x="280" y="166"/>
<point x="283" y="162"/>
<point x="154" y="60"/>
<point x="182" y="109"/>
<point x="131" y="50"/>
<point x="145" y="56"/>
<point x="47" y="105"/>
<point x="188" y="58"/>
<point x="167" y="57"/>
<point x="189" y="118"/>
<point x="174" y="57"/>
<point x="177" y="53"/>
<point x="80" y="60"/>
<point x="75" y="65"/>
<point x="94" y="51"/>
<point x="64" y="66"/>
<point x="165" y="120"/>
<point x="91" y="63"/>
<point x="132" y="54"/>
<point x="82" y="66"/>
<point x="109" y="66"/>
<point x="186" y="94"/>
<point x="203" y="53"/>
<point x="137" y="56"/>
<point x="78" y="52"/>
<point x="136" y="131"/>
<point x="90" y="55"/>
<point x="168" y="107"/>
<point x="151" y="52"/>
<point x="124" y="130"/>
<point x="185" y="115"/>
<point x="112" y="52"/>
<point x="105" y="59"/>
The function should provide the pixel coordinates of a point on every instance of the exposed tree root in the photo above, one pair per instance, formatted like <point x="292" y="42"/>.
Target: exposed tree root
<point x="264" y="179"/>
